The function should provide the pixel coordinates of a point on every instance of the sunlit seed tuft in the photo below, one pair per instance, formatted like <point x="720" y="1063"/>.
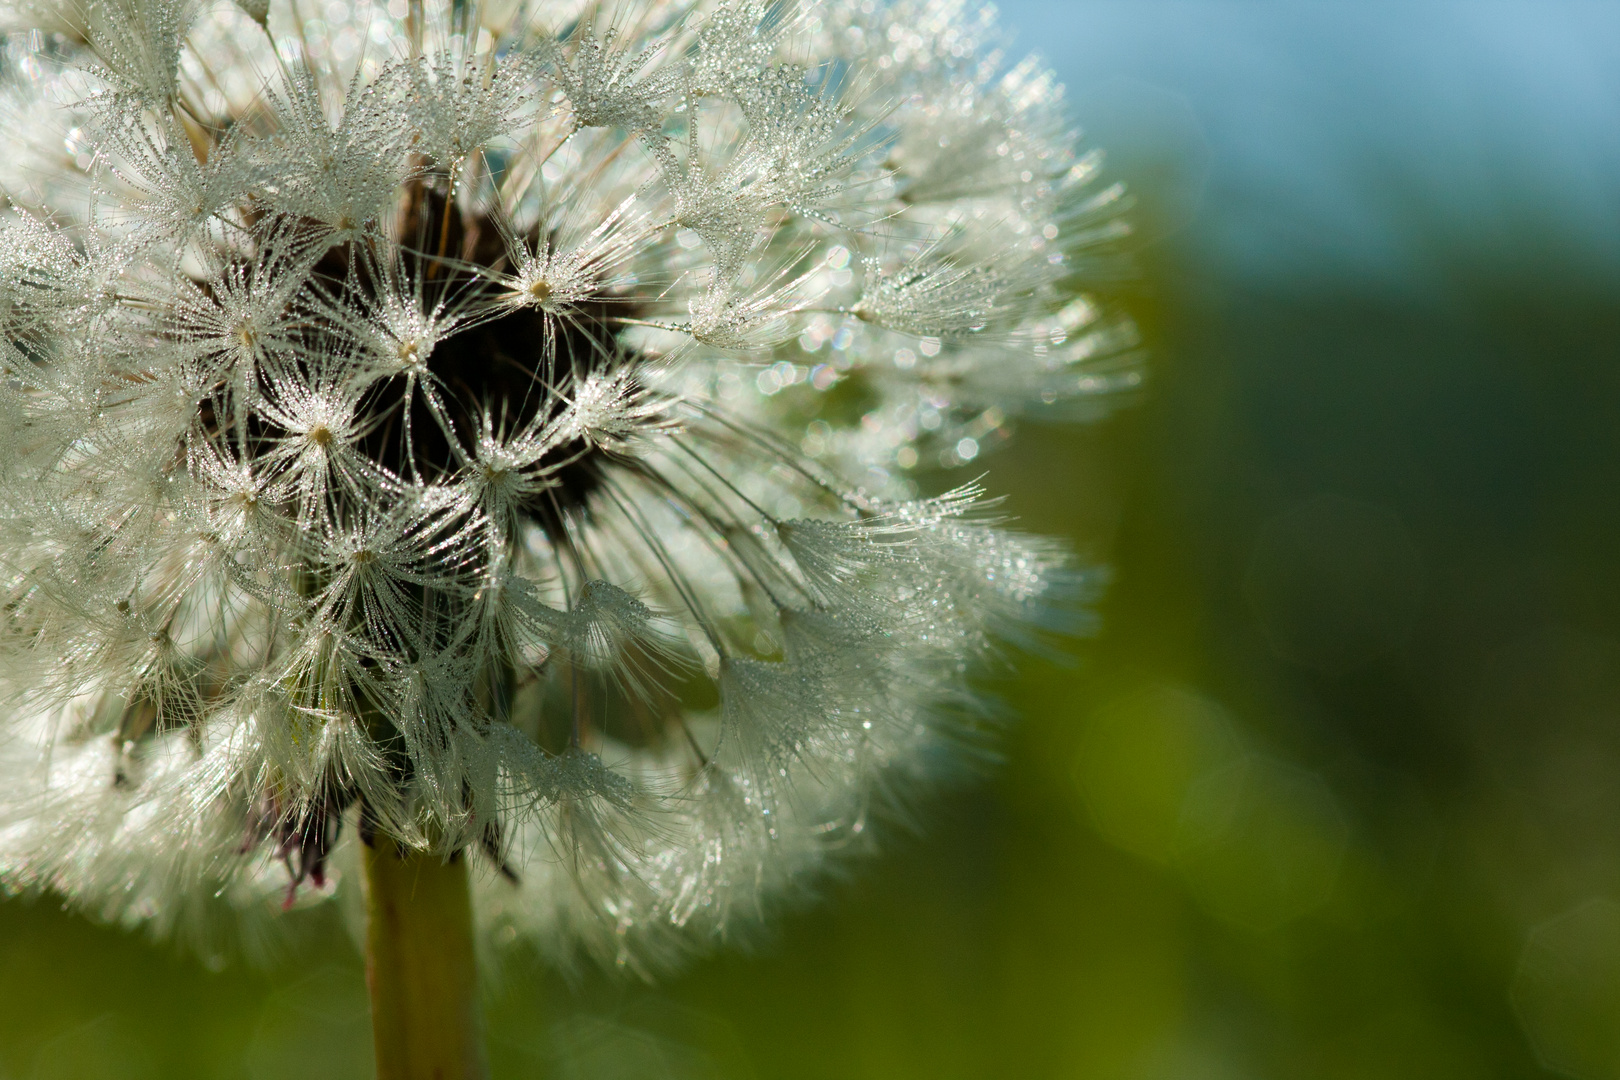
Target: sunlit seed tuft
<point x="490" y="426"/>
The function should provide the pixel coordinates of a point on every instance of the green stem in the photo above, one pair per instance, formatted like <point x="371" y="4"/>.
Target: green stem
<point x="420" y="969"/>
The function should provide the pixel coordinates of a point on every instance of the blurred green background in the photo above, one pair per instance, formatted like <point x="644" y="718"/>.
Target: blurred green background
<point x="1335" y="791"/>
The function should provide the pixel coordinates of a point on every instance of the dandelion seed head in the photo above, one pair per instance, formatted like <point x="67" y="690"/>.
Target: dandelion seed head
<point x="423" y="424"/>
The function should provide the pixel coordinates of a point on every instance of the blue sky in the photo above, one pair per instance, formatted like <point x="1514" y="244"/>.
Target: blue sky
<point x="1311" y="134"/>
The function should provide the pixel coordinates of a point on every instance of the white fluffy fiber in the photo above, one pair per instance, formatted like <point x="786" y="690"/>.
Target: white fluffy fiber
<point x="646" y="641"/>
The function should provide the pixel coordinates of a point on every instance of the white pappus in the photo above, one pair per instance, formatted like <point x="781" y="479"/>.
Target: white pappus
<point x="491" y="422"/>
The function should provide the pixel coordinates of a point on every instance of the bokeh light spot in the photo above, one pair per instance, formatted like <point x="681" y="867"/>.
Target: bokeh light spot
<point x="1139" y="757"/>
<point x="1567" y="990"/>
<point x="1261" y="842"/>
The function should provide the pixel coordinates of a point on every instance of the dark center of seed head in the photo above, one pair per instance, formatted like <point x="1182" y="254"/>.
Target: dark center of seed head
<point x="497" y="368"/>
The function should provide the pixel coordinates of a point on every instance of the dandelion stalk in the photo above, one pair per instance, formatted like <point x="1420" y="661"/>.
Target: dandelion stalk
<point x="420" y="969"/>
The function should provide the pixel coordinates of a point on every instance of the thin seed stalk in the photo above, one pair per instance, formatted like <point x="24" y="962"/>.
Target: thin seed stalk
<point x="420" y="969"/>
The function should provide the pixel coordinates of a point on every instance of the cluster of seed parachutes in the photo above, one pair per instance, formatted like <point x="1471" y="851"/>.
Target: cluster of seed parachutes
<point x="492" y="425"/>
